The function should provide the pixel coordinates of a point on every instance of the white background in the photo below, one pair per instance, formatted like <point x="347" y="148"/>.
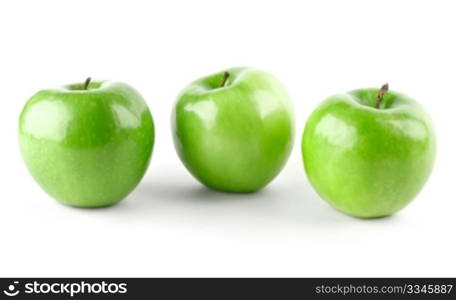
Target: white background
<point x="172" y="226"/>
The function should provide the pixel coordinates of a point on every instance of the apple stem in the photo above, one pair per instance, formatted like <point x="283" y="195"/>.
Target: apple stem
<point x="381" y="92"/>
<point x="225" y="78"/>
<point x="86" y="83"/>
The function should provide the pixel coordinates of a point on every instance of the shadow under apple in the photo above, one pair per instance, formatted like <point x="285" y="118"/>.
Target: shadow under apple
<point x="293" y="203"/>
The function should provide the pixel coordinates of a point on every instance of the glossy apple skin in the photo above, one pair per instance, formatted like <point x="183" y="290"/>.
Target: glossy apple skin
<point x="364" y="161"/>
<point x="87" y="148"/>
<point x="234" y="138"/>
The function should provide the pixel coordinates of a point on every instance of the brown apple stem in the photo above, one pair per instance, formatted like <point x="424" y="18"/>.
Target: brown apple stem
<point x="225" y="78"/>
<point x="381" y="92"/>
<point x="86" y="83"/>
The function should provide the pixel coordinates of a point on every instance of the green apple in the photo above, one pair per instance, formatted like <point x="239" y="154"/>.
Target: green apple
<point x="87" y="144"/>
<point x="233" y="130"/>
<point x="368" y="152"/>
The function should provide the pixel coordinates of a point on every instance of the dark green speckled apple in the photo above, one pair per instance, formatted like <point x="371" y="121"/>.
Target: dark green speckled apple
<point x="233" y="130"/>
<point x="88" y="144"/>
<point x="368" y="152"/>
